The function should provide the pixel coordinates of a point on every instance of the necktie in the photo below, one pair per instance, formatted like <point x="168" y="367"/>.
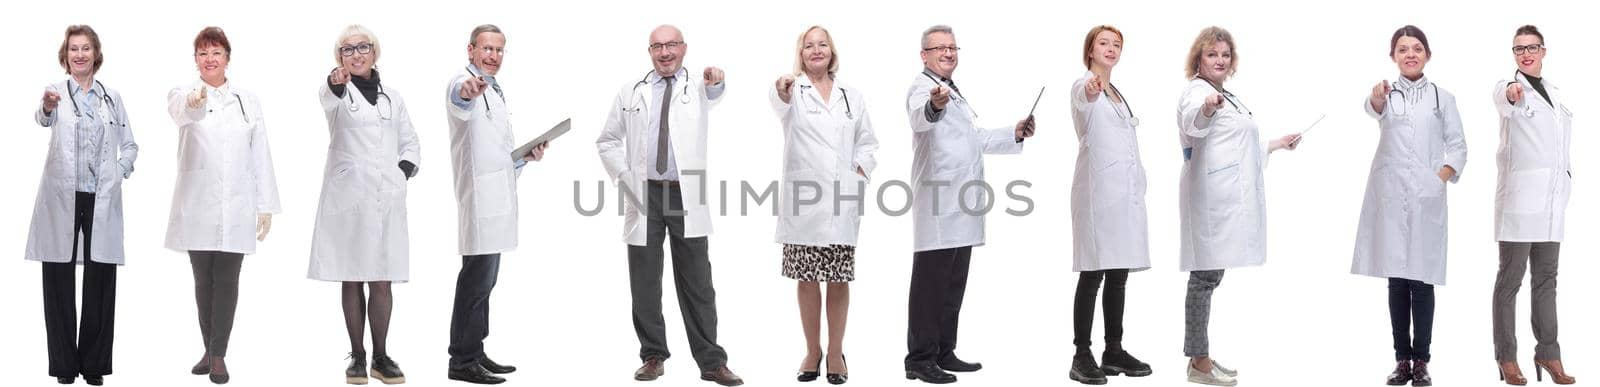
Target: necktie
<point x="663" y="141"/>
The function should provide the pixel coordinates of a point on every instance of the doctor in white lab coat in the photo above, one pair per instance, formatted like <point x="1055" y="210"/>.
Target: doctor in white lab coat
<point x="828" y="147"/>
<point x="1534" y="185"/>
<point x="948" y="148"/>
<point x="1403" y="218"/>
<point x="653" y="146"/>
<point x="77" y="217"/>
<point x="361" y="236"/>
<point x="485" y="175"/>
<point x="1221" y="197"/>
<point x="1109" y="235"/>
<point x="226" y="191"/>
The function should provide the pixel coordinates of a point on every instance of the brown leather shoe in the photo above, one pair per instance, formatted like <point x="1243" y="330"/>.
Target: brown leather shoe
<point x="722" y="375"/>
<point x="1512" y="374"/>
<point x="651" y="370"/>
<point x="1552" y="367"/>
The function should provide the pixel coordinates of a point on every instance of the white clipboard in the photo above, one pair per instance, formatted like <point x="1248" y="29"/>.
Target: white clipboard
<point x="557" y="131"/>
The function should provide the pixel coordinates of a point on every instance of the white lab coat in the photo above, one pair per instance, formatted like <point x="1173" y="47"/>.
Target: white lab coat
<point x="225" y="175"/>
<point x="361" y="232"/>
<point x="623" y="154"/>
<point x="1403" y="216"/>
<point x="50" y="235"/>
<point x="485" y="173"/>
<point x="824" y="144"/>
<point x="1108" y="184"/>
<point x="1535" y="180"/>
<point x="1221" y="193"/>
<point x="948" y="154"/>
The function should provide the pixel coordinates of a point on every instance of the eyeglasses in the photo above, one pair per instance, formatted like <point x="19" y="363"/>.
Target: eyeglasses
<point x="490" y="50"/>
<point x="363" y="48"/>
<point x="211" y="54"/>
<point x="1528" y="49"/>
<point x="672" y="45"/>
<point x="942" y="49"/>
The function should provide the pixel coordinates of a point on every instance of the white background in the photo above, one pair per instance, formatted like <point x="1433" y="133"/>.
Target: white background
<point x="562" y="306"/>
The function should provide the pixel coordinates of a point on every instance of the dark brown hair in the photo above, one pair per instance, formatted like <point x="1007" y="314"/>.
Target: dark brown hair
<point x="213" y="36"/>
<point x="1523" y="30"/>
<point x="1412" y="31"/>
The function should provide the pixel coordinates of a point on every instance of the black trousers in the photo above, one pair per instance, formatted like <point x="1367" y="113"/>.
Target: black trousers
<point x="469" y="319"/>
<point x="1411" y="301"/>
<point x="216" y="296"/>
<point x="1116" y="281"/>
<point x="80" y="347"/>
<point x="938" y="283"/>
<point x="691" y="275"/>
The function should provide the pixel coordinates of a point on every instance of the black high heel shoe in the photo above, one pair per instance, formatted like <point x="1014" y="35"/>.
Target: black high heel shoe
<point x="838" y="378"/>
<point x="810" y="376"/>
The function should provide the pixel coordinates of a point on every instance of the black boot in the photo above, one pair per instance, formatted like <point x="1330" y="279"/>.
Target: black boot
<point x="1119" y="362"/>
<point x="1085" y="371"/>
<point x="1401" y="374"/>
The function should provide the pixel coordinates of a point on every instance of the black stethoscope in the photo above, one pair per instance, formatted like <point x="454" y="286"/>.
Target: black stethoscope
<point x="1131" y="118"/>
<point x="1437" y="110"/>
<point x="487" y="112"/>
<point x="1226" y="96"/>
<point x="72" y="94"/>
<point x="683" y="97"/>
<point x="354" y="107"/>
<point x="242" y="113"/>
<point x="848" y="113"/>
<point x="1527" y="108"/>
<point x="952" y="88"/>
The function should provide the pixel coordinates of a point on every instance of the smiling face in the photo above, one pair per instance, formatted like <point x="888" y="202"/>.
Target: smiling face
<point x="1411" y="56"/>
<point x="1106" y="50"/>
<point x="1530" y="61"/>
<point x="212" y="61"/>
<point x="940" y="54"/>
<point x="80" y="56"/>
<point x="488" y="52"/>
<point x="357" y="63"/>
<point x="667" y="50"/>
<point x="817" y="52"/>
<point x="1216" y="62"/>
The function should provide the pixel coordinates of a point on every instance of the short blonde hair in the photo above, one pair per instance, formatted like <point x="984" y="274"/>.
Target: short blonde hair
<point x="1088" y="41"/>
<point x="800" y="47"/>
<point x="352" y="31"/>
<point x="1208" y="37"/>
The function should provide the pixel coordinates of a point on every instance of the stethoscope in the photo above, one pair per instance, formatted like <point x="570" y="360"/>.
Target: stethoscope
<point x="242" y="113"/>
<point x="1527" y="107"/>
<point x="1395" y="88"/>
<point x="849" y="114"/>
<point x="683" y="97"/>
<point x="1226" y="96"/>
<point x="72" y="94"/>
<point x="487" y="112"/>
<point x="354" y="107"/>
<point x="958" y="92"/>
<point x="1131" y="118"/>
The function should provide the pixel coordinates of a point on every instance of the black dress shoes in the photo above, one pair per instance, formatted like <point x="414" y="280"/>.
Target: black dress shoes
<point x="496" y="367"/>
<point x="930" y="374"/>
<point x="94" y="380"/>
<point x="475" y="374"/>
<point x="65" y="379"/>
<point x="953" y="364"/>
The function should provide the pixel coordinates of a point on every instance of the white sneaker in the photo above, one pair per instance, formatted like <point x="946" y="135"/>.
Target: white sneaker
<point x="1225" y="370"/>
<point x="1215" y="378"/>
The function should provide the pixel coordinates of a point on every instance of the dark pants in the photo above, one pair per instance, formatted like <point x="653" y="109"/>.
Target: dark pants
<point x="1411" y="301"/>
<point x="691" y="275"/>
<point x="216" y="296"/>
<point x="1083" y="307"/>
<point x="938" y="283"/>
<point x="1515" y="260"/>
<point x="469" y="319"/>
<point x="80" y="349"/>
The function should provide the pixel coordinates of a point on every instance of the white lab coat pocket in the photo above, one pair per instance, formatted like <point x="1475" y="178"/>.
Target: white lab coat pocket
<point x="1528" y="191"/>
<point x="492" y="194"/>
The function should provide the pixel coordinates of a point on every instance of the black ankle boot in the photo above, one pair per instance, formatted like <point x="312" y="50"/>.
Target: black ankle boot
<point x="1085" y="371"/>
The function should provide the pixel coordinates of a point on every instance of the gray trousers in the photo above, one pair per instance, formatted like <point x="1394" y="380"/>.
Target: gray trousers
<point x="1514" y="260"/>
<point x="216" y="296"/>
<point x="691" y="274"/>
<point x="1197" y="312"/>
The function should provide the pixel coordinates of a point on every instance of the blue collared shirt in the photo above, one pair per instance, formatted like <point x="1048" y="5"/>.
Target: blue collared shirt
<point x="90" y="132"/>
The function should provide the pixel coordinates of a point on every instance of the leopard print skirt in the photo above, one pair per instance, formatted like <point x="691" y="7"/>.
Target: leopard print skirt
<point x="835" y="263"/>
